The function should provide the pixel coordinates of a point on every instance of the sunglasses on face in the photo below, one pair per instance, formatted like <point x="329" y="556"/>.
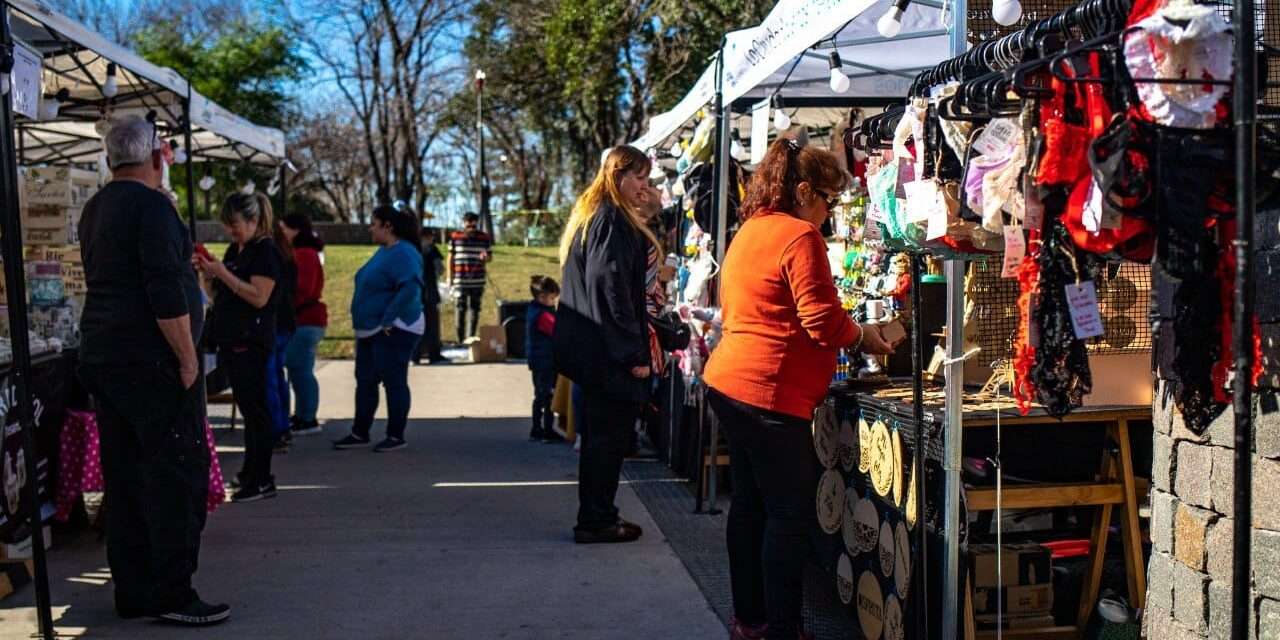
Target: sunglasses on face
<point x="830" y="198"/>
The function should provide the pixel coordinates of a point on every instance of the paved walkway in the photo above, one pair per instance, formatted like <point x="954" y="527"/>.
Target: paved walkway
<point x="464" y="535"/>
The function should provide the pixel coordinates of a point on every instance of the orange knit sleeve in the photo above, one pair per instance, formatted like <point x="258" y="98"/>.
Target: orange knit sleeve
<point x="805" y="267"/>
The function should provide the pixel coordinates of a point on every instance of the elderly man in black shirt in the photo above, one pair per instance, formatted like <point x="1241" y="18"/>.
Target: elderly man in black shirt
<point x="143" y="314"/>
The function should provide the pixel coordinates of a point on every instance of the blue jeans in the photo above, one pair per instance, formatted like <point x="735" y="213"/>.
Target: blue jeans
<point x="383" y="359"/>
<point x="277" y="386"/>
<point x="300" y="360"/>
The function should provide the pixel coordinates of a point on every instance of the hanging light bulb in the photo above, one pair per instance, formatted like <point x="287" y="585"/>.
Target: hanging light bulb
<point x="1006" y="12"/>
<point x="839" y="81"/>
<point x="676" y="151"/>
<point x="50" y="106"/>
<point x="890" y="24"/>
<point x="248" y="188"/>
<point x="735" y="150"/>
<point x="206" y="183"/>
<point x="781" y="121"/>
<point x="111" y="87"/>
<point x="179" y="154"/>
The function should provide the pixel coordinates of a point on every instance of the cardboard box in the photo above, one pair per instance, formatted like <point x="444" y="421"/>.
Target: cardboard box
<point x="46" y="217"/>
<point x="61" y="235"/>
<point x="1024" y="564"/>
<point x="58" y="187"/>
<point x="489" y="346"/>
<point x="1016" y="622"/>
<point x="1020" y="600"/>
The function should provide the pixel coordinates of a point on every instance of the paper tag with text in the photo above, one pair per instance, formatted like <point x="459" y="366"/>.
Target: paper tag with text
<point x="937" y="220"/>
<point x="1085" y="317"/>
<point x="998" y="138"/>
<point x="1033" y="211"/>
<point x="921" y="197"/>
<point x="1015" y="251"/>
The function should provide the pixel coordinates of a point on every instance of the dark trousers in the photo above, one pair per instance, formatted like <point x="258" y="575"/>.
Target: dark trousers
<point x="468" y="301"/>
<point x="772" y="519"/>
<point x="247" y="369"/>
<point x="155" y="464"/>
<point x="607" y="426"/>
<point x="430" y="348"/>
<point x="544" y="389"/>
<point x="383" y="360"/>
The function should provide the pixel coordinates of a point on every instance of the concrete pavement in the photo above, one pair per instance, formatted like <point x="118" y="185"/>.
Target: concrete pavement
<point x="466" y="534"/>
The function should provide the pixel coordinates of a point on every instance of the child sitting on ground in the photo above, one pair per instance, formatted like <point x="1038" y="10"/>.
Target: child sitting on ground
<point x="540" y="324"/>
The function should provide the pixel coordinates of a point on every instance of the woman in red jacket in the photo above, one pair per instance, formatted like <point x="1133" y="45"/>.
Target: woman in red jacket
<point x="312" y="318"/>
<point x="783" y="326"/>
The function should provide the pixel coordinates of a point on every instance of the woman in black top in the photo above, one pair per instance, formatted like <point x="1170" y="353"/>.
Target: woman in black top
<point x="242" y="325"/>
<point x="601" y="337"/>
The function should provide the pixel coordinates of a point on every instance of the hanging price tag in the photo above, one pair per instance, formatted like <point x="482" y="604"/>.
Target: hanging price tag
<point x="1085" y="318"/>
<point x="874" y="213"/>
<point x="937" y="220"/>
<point x="921" y="197"/>
<point x="998" y="138"/>
<point x="1033" y="214"/>
<point x="1015" y="251"/>
<point x="871" y="234"/>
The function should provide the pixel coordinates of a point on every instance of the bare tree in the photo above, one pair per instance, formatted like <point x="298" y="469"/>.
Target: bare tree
<point x="392" y="64"/>
<point x="320" y="147"/>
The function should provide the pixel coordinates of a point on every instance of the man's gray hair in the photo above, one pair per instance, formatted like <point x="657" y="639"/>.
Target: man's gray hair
<point x="130" y="140"/>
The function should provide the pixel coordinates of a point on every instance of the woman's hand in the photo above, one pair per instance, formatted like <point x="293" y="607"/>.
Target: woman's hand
<point x="873" y="341"/>
<point x="640" y="372"/>
<point x="214" y="268"/>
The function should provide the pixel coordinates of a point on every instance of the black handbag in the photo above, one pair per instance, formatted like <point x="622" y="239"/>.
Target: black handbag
<point x="673" y="333"/>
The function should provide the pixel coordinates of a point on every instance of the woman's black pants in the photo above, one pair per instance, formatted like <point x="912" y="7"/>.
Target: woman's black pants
<point x="606" y="425"/>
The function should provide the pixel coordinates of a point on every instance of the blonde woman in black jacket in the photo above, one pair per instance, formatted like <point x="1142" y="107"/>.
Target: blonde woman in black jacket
<point x="602" y="336"/>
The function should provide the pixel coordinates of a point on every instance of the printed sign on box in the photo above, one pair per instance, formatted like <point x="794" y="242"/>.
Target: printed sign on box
<point x="25" y="86"/>
<point x="58" y="187"/>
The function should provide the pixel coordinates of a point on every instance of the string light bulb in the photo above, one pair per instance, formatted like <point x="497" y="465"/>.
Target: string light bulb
<point x="1006" y="12"/>
<point x="51" y="106"/>
<point x="675" y="150"/>
<point x="781" y="121"/>
<point x="206" y="183"/>
<point x="839" y="81"/>
<point x="890" y="24"/>
<point x="111" y="88"/>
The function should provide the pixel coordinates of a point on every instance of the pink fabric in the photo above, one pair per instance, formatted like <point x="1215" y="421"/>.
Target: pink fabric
<point x="80" y="463"/>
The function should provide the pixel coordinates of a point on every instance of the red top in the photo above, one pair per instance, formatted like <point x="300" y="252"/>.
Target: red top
<point x="546" y="323"/>
<point x="783" y="322"/>
<point x="310" y="310"/>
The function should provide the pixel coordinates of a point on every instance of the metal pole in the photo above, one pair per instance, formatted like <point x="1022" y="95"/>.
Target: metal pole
<point x="191" y="222"/>
<point x="486" y="223"/>
<point x="1245" y="107"/>
<point x="720" y="190"/>
<point x="952" y="433"/>
<point x="16" y="298"/>
<point x="917" y="478"/>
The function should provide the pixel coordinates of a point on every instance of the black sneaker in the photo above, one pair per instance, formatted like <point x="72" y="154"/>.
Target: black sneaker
<point x="351" y="442"/>
<point x="197" y="614"/>
<point x="308" y="428"/>
<point x="390" y="444"/>
<point x="254" y="494"/>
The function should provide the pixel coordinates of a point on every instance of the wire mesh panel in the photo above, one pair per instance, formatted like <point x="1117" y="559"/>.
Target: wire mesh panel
<point x="1123" y="290"/>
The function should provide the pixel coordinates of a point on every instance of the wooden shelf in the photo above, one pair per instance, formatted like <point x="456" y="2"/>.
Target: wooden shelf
<point x="1039" y="633"/>
<point x="1047" y="495"/>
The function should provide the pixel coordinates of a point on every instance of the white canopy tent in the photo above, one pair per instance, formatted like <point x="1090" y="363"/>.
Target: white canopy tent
<point x="76" y="65"/>
<point x="787" y="54"/>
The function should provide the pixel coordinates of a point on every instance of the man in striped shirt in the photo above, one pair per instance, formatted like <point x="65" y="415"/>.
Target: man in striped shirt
<point x="468" y="254"/>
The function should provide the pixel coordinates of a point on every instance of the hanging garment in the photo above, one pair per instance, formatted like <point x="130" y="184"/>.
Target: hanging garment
<point x="1060" y="375"/>
<point x="1185" y="41"/>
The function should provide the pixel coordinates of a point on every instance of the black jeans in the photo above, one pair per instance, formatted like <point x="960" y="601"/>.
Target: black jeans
<point x="247" y="370"/>
<point x="544" y="389"/>
<point x="155" y="464"/>
<point x="468" y="300"/>
<point x="772" y="519"/>
<point x="430" y="347"/>
<point x="607" y="425"/>
<point x="384" y="360"/>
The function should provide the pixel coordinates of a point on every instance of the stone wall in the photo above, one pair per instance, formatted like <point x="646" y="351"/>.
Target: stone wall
<point x="1192" y="488"/>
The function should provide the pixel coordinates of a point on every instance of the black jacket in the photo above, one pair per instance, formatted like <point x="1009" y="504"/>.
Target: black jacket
<point x="601" y="326"/>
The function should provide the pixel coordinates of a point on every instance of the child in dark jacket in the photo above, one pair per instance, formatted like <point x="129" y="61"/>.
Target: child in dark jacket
<point x="540" y="324"/>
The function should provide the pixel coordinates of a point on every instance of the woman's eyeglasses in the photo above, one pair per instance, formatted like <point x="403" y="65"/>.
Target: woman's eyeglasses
<point x="830" y="198"/>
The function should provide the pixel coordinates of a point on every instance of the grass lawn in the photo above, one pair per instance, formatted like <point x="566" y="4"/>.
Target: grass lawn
<point x="508" y="274"/>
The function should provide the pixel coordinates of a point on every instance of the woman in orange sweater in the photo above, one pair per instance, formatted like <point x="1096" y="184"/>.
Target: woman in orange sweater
<point x="783" y="325"/>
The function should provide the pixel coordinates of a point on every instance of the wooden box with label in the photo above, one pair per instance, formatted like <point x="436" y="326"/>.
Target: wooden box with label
<point x="58" y="187"/>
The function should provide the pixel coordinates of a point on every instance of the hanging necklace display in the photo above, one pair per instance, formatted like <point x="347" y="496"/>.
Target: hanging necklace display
<point x="847" y="447"/>
<point x="864" y="445"/>
<point x="902" y="561"/>
<point x="898" y="461"/>
<point x="826" y="436"/>
<point x="865" y="526"/>
<point x="882" y="459"/>
<point x="912" y="510"/>
<point x="870" y="605"/>
<point x="844" y="579"/>
<point x="830" y="500"/>
<point x="893" y="627"/>
<point x="886" y="548"/>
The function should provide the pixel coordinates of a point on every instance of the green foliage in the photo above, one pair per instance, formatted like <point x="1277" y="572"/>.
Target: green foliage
<point x="244" y="67"/>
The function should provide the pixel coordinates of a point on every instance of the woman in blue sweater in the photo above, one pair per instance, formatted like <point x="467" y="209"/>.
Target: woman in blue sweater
<point x="386" y="313"/>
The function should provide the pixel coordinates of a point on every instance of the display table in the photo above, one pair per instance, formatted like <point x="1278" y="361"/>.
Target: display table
<point x="1106" y="486"/>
